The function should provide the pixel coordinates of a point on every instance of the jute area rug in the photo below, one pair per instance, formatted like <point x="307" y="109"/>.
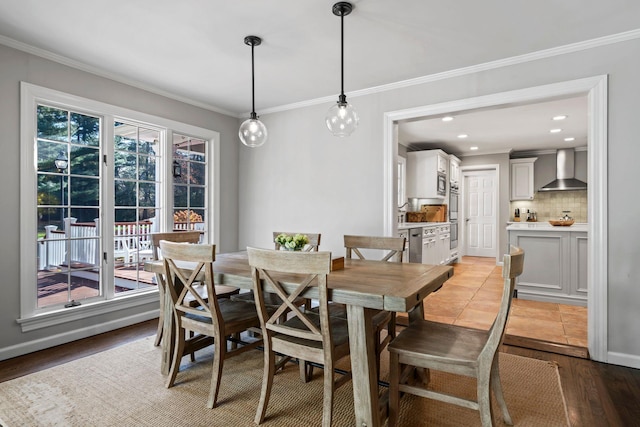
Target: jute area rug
<point x="124" y="387"/>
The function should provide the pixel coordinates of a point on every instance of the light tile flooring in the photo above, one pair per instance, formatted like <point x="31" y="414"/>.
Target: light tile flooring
<point x="471" y="298"/>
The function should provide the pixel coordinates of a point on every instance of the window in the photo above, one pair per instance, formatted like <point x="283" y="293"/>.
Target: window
<point x="402" y="180"/>
<point x="96" y="180"/>
<point x="189" y="183"/>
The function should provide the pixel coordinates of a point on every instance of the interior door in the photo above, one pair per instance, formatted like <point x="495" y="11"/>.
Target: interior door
<point x="480" y="217"/>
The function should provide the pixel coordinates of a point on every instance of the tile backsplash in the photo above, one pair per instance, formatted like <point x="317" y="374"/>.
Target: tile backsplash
<point x="550" y="204"/>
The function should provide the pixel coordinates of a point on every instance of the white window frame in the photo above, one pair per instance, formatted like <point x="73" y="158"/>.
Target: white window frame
<point x="31" y="317"/>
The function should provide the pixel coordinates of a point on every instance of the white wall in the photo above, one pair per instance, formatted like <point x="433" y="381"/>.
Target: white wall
<point x="17" y="66"/>
<point x="335" y="186"/>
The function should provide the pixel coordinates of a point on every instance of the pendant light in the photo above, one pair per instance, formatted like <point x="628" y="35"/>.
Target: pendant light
<point x="341" y="118"/>
<point x="252" y="133"/>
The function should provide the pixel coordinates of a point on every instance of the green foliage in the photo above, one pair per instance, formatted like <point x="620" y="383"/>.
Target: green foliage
<point x="292" y="243"/>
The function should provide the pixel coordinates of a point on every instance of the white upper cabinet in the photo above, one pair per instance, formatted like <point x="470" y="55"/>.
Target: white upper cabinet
<point x="454" y="171"/>
<point x="427" y="174"/>
<point x="522" y="187"/>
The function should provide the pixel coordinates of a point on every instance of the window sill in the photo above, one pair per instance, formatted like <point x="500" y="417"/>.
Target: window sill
<point x="85" y="311"/>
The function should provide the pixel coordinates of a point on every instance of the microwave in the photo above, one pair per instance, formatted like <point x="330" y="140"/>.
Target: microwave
<point x="442" y="184"/>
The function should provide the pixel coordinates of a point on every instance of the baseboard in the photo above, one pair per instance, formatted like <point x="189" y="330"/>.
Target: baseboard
<point x="623" y="359"/>
<point x="548" y="346"/>
<point x="76" y="334"/>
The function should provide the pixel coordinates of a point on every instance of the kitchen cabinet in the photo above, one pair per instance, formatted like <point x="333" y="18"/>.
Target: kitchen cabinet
<point x="555" y="263"/>
<point x="454" y="172"/>
<point x="430" y="248"/>
<point x="444" y="244"/>
<point x="427" y="174"/>
<point x="522" y="187"/>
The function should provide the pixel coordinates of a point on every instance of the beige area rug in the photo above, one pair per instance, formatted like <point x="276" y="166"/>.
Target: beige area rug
<point x="123" y="387"/>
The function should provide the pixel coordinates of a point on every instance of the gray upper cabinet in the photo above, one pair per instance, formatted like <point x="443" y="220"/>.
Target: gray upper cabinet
<point x="522" y="178"/>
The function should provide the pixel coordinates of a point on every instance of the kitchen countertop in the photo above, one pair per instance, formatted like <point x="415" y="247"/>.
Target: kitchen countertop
<point x="545" y="226"/>
<point x="408" y="225"/>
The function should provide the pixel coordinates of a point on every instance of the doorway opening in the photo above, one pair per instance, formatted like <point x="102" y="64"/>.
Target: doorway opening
<point x="596" y="88"/>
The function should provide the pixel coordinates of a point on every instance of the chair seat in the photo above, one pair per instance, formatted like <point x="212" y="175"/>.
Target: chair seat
<point x="271" y="300"/>
<point x="339" y="331"/>
<point x="340" y="310"/>
<point x="434" y="341"/>
<point x="232" y="312"/>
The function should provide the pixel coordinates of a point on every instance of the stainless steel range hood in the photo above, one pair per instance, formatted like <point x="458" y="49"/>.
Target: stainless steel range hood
<point x="565" y="173"/>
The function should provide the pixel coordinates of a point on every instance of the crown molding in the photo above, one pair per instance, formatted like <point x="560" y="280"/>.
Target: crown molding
<point x="514" y="60"/>
<point x="109" y="75"/>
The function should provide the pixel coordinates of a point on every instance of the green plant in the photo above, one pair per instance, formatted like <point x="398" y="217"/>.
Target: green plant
<point x="292" y="243"/>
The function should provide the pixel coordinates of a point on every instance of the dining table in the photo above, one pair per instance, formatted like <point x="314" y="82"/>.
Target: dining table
<point x="364" y="287"/>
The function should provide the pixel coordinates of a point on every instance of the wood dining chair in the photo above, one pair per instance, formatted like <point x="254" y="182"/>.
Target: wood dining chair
<point x="455" y="349"/>
<point x="215" y="318"/>
<point x="314" y="337"/>
<point x="272" y="300"/>
<point x="222" y="291"/>
<point x="388" y="249"/>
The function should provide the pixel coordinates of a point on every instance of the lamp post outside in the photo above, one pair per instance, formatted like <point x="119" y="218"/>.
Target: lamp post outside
<point x="62" y="163"/>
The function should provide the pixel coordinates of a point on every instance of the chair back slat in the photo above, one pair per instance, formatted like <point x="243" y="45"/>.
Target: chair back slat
<point x="178" y="236"/>
<point x="393" y="246"/>
<point x="312" y="246"/>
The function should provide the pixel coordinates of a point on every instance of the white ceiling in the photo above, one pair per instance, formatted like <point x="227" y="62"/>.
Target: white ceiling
<point x="500" y="130"/>
<point x="193" y="49"/>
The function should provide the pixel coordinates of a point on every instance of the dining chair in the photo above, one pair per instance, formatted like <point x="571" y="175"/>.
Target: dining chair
<point x="455" y="349"/>
<point x="184" y="237"/>
<point x="387" y="249"/>
<point x="215" y="318"/>
<point x="271" y="299"/>
<point x="314" y="337"/>
<point x="222" y="291"/>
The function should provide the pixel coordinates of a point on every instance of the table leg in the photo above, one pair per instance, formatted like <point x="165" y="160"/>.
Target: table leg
<point x="363" y="366"/>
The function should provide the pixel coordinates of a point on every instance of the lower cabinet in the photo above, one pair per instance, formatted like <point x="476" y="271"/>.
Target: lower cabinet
<point x="555" y="265"/>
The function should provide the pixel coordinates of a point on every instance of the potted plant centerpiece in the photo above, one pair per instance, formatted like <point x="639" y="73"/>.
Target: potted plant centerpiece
<point x="292" y="243"/>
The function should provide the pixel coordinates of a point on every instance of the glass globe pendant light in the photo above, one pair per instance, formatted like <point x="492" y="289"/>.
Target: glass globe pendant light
<point x="252" y="133"/>
<point x="342" y="118"/>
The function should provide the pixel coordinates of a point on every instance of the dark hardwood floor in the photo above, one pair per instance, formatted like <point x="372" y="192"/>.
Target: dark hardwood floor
<point x="596" y="394"/>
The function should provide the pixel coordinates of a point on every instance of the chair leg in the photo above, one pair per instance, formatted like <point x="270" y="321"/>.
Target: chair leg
<point x="267" y="381"/>
<point x="192" y="356"/>
<point x="306" y="370"/>
<point x="219" y="355"/>
<point x="329" y="388"/>
<point x="484" y="396"/>
<point x="161" y="315"/>
<point x="178" y="350"/>
<point x="496" y="387"/>
<point x="394" y="389"/>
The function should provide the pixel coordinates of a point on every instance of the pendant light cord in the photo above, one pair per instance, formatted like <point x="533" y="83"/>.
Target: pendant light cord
<point x="342" y="57"/>
<point x="253" y="87"/>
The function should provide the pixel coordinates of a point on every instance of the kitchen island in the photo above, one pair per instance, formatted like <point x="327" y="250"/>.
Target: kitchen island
<point x="555" y="264"/>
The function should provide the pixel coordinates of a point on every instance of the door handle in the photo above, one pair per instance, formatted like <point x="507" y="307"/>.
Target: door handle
<point x="467" y="220"/>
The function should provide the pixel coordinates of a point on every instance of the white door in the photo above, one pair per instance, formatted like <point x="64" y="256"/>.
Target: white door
<point x="480" y="217"/>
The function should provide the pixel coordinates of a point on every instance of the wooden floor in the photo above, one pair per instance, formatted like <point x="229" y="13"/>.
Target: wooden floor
<point x="596" y="394"/>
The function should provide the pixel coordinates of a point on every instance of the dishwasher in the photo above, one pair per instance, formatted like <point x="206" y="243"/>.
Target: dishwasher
<point x="415" y="245"/>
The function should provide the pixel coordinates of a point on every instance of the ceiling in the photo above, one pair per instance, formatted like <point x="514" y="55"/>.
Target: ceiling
<point x="194" y="51"/>
<point x="499" y="130"/>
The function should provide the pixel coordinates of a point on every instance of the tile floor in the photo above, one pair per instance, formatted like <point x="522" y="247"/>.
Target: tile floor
<point x="471" y="298"/>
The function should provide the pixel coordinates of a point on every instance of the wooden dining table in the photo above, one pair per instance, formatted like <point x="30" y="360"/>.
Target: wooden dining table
<point x="364" y="287"/>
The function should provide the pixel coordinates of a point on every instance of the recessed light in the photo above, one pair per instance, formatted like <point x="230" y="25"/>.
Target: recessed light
<point x="570" y="139"/>
<point x="555" y="130"/>
<point x="473" y="148"/>
<point x="447" y="119"/>
<point x="559" y="117"/>
<point x="463" y="135"/>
